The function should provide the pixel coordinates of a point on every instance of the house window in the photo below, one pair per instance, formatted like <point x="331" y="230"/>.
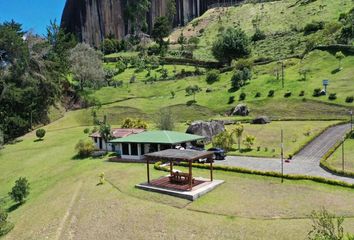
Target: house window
<point x="153" y="148"/>
<point x="95" y="139"/>
<point x="134" y="149"/>
<point x="125" y="148"/>
<point x="164" y="147"/>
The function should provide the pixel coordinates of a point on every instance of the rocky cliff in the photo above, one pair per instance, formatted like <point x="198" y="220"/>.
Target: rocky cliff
<point x="94" y="20"/>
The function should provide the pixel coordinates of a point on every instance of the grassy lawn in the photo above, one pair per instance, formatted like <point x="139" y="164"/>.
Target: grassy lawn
<point x="335" y="160"/>
<point x="296" y="135"/>
<point x="65" y="201"/>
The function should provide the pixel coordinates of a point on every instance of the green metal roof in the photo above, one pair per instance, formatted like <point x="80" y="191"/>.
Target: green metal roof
<point x="163" y="137"/>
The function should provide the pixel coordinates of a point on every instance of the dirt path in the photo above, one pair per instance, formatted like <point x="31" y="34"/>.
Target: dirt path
<point x="306" y="162"/>
<point x="68" y="212"/>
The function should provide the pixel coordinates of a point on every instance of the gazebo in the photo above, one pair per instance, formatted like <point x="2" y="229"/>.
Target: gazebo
<point x="178" y="180"/>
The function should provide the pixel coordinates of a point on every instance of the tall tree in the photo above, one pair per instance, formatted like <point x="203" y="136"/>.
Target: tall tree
<point x="237" y="132"/>
<point x="87" y="66"/>
<point x="161" y="30"/>
<point x="231" y="44"/>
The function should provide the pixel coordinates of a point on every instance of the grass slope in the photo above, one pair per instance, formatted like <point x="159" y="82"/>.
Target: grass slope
<point x="335" y="160"/>
<point x="282" y="21"/>
<point x="65" y="201"/>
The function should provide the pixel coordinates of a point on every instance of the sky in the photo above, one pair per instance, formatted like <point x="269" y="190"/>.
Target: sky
<point x="34" y="15"/>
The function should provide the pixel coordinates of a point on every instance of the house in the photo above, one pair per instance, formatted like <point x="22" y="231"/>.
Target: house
<point x="135" y="146"/>
<point x="115" y="133"/>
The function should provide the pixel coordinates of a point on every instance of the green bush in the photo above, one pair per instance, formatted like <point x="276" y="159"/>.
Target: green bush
<point x="212" y="76"/>
<point x="302" y="93"/>
<point x="240" y="78"/>
<point x="86" y="130"/>
<point x="5" y="226"/>
<point x="271" y="93"/>
<point x="231" y="100"/>
<point x="287" y="94"/>
<point x="258" y="35"/>
<point x="349" y="99"/>
<point x="258" y="94"/>
<point x="84" y="148"/>
<point x="326" y="226"/>
<point x="242" y="96"/>
<point x="40" y="133"/>
<point x="332" y="96"/>
<point x="313" y="27"/>
<point x="20" y="191"/>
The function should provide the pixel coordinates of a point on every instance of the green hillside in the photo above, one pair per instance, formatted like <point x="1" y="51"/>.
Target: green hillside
<point x="282" y="22"/>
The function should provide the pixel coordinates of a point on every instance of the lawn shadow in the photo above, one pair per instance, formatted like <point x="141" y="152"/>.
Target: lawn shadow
<point x="245" y="150"/>
<point x="38" y="140"/>
<point x="14" y="207"/>
<point x="79" y="157"/>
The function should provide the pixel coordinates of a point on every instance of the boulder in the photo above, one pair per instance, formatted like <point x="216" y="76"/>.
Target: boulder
<point x="261" y="120"/>
<point x="206" y="129"/>
<point x="240" y="110"/>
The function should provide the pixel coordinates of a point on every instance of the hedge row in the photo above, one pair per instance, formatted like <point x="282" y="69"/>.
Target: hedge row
<point x="6" y="228"/>
<point x="336" y="48"/>
<point x="193" y="62"/>
<point x="158" y="166"/>
<point x="325" y="165"/>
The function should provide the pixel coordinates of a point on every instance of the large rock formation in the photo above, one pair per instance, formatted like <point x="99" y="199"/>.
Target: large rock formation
<point x="93" y="20"/>
<point x="206" y="129"/>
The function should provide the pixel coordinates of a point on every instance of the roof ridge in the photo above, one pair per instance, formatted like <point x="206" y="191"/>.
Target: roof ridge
<point x="168" y="137"/>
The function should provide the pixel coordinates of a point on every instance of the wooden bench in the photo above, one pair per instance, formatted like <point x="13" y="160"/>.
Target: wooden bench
<point x="179" y="177"/>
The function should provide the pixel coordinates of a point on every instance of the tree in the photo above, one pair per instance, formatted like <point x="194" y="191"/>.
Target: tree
<point x="303" y="73"/>
<point x="108" y="46"/>
<point x="84" y="148"/>
<point x="134" y="123"/>
<point x="192" y="90"/>
<point x="30" y="80"/>
<point x="223" y="140"/>
<point x="249" y="141"/>
<point x="161" y="30"/>
<point x="212" y="76"/>
<point x="326" y="226"/>
<point x="105" y="132"/>
<point x="182" y="40"/>
<point x="340" y="56"/>
<point x="231" y="44"/>
<point x="237" y="131"/>
<point x="171" y="11"/>
<point x="40" y="133"/>
<point x="20" y="191"/>
<point x="87" y="66"/>
<point x="165" y="120"/>
<point x="240" y="78"/>
<point x="5" y="226"/>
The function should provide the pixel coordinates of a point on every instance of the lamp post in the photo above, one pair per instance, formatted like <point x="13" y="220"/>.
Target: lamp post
<point x="343" y="154"/>
<point x="282" y="154"/>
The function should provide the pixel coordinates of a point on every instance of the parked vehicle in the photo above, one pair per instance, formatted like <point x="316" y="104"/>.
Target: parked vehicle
<point x="219" y="153"/>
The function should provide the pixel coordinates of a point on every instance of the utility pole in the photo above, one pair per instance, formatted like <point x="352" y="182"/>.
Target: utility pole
<point x="351" y="121"/>
<point x="282" y="74"/>
<point x="282" y="155"/>
<point x="343" y="154"/>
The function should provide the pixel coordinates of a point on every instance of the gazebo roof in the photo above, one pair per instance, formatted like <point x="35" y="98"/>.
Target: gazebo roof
<point x="179" y="155"/>
<point x="162" y="137"/>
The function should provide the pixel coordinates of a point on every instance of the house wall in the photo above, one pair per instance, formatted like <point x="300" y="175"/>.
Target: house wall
<point x="110" y="147"/>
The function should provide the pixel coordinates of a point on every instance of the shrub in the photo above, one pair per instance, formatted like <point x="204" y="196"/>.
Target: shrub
<point x="302" y="93"/>
<point x="223" y="140"/>
<point x="121" y="66"/>
<point x="258" y="94"/>
<point x="5" y="226"/>
<point x="243" y="63"/>
<point x="164" y="74"/>
<point x="314" y="26"/>
<point x="212" y="76"/>
<point x="317" y="92"/>
<point x="240" y="78"/>
<point x="86" y="130"/>
<point x="231" y="100"/>
<point x="258" y="35"/>
<point x="326" y="226"/>
<point x="271" y="93"/>
<point x="349" y="99"/>
<point x="134" y="123"/>
<point x="332" y="96"/>
<point x="84" y="148"/>
<point x="249" y="141"/>
<point x="242" y="96"/>
<point x="20" y="191"/>
<point x="287" y="94"/>
<point x="40" y="133"/>
<point x="165" y="120"/>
